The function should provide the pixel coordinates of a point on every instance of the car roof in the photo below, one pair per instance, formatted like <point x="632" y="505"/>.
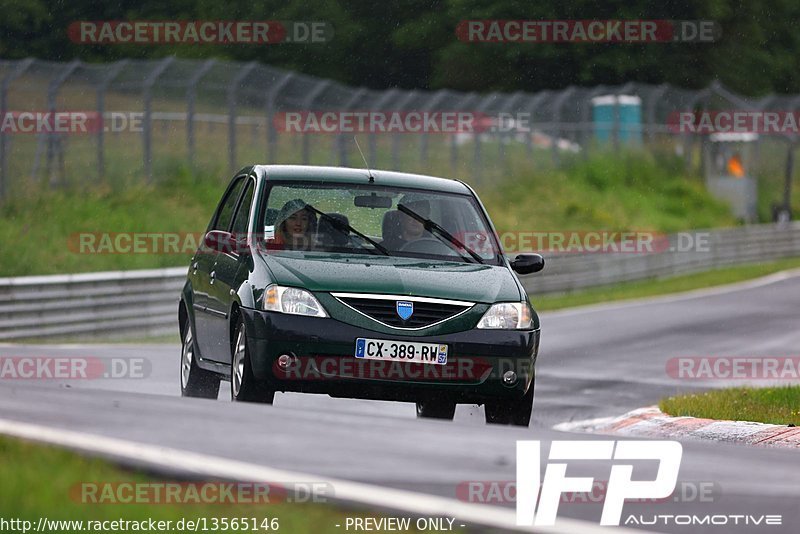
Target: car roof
<point x="360" y="176"/>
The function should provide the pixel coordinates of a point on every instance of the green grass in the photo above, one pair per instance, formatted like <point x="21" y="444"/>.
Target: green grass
<point x="774" y="405"/>
<point x="40" y="231"/>
<point x="630" y="191"/>
<point x="42" y="481"/>
<point x="614" y="192"/>
<point x="649" y="288"/>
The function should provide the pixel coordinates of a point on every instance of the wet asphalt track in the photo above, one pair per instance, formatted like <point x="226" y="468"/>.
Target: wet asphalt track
<point x="593" y="362"/>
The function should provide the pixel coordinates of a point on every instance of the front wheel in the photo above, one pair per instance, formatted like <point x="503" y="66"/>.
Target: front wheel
<point x="195" y="382"/>
<point x="244" y="386"/>
<point x="517" y="412"/>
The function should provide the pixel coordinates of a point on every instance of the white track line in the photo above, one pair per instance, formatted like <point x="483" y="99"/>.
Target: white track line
<point x="676" y="297"/>
<point x="417" y="504"/>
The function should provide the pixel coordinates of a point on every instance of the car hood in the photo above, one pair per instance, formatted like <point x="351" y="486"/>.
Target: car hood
<point x="393" y="276"/>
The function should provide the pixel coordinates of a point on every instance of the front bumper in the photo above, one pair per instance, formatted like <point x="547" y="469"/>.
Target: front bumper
<point x="325" y="347"/>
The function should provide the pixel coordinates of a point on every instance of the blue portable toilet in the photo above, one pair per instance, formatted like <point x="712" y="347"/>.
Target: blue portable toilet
<point x="622" y="111"/>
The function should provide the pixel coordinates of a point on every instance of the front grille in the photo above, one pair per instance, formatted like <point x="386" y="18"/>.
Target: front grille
<point x="384" y="309"/>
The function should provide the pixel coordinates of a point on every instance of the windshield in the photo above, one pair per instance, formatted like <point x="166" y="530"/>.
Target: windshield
<point x="376" y="220"/>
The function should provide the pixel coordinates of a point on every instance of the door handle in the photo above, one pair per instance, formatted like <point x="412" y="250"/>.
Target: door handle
<point x="194" y="267"/>
<point x="213" y="276"/>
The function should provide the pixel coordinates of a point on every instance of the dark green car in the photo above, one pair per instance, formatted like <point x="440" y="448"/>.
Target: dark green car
<point x="362" y="284"/>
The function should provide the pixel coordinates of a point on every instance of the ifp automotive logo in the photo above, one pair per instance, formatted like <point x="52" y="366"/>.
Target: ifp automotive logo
<point x="668" y="454"/>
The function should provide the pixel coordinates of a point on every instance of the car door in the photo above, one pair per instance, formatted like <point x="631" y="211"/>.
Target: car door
<point x="224" y="280"/>
<point x="204" y="273"/>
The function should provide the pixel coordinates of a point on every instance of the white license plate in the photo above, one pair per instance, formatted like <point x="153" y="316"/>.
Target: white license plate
<point x="401" y="351"/>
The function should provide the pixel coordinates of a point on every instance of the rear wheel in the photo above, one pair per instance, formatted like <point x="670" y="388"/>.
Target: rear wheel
<point x="195" y="382"/>
<point x="517" y="412"/>
<point x="430" y="409"/>
<point x="244" y="386"/>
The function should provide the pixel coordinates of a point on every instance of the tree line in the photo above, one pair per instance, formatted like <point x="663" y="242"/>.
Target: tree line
<point x="414" y="43"/>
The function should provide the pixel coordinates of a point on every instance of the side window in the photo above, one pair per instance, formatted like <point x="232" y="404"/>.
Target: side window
<point x="243" y="212"/>
<point x="226" y="207"/>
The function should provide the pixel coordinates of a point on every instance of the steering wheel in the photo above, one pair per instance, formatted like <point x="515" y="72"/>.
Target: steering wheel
<point x="427" y="245"/>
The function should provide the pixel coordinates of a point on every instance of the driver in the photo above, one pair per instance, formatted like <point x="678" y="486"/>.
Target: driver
<point x="410" y="228"/>
<point x="295" y="225"/>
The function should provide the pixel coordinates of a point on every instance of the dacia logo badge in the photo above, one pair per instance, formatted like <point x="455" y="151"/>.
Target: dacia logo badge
<point x="405" y="309"/>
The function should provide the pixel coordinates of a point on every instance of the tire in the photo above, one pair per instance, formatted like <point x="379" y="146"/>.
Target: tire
<point x="436" y="410"/>
<point x="517" y="413"/>
<point x="244" y="386"/>
<point x="195" y="382"/>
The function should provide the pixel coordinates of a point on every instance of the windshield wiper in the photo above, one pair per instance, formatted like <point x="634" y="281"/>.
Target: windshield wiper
<point x="440" y="232"/>
<point x="346" y="228"/>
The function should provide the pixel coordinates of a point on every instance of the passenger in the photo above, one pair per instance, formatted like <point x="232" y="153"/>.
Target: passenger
<point x="295" y="226"/>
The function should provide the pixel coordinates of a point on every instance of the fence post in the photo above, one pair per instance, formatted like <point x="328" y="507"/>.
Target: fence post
<point x="341" y="140"/>
<point x="762" y="104"/>
<point x="101" y="105"/>
<point x="532" y="107"/>
<point x="478" y="156"/>
<point x="408" y="98"/>
<point x="307" y="103"/>
<point x="617" y="134"/>
<point x="557" y="104"/>
<point x="191" y="96"/>
<point x="147" y="121"/>
<point x="53" y="139"/>
<point x="382" y="101"/>
<point x="512" y="106"/>
<point x="269" y="113"/>
<point x="587" y="118"/>
<point x="652" y="102"/>
<point x="687" y="139"/>
<point x="787" y="186"/>
<point x="16" y="72"/>
<point x="430" y="107"/>
<point x="232" y="87"/>
<point x="464" y="104"/>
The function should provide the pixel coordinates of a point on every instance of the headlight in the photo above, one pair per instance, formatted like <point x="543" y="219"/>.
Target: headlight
<point x="292" y="300"/>
<point x="507" y="316"/>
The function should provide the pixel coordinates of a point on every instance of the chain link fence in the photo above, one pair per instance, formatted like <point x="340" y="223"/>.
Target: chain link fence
<point x="161" y="116"/>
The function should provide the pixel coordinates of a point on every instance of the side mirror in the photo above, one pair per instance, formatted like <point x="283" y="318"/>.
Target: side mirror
<point x="219" y="241"/>
<point x="528" y="263"/>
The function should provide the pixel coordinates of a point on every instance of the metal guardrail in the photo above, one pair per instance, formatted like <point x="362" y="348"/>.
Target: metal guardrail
<point x="141" y="303"/>
<point x="135" y="303"/>
<point x="571" y="272"/>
